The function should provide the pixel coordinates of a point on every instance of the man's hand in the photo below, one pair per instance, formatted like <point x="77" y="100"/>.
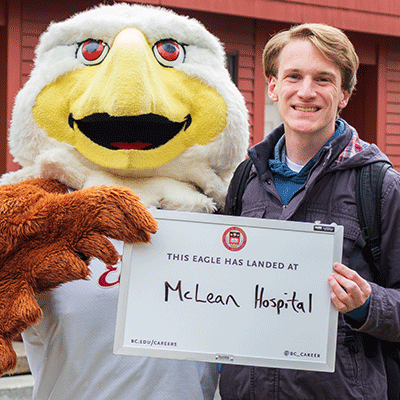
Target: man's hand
<point x="348" y="290"/>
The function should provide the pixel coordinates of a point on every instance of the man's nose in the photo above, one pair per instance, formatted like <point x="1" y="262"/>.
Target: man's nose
<point x="307" y="87"/>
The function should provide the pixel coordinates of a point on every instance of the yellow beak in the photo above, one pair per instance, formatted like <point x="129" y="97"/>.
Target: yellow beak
<point x="129" y="111"/>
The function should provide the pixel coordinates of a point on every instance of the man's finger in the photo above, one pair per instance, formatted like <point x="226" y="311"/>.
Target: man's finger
<point x="354" y="277"/>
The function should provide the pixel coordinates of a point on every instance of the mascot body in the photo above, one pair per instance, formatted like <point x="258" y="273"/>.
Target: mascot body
<point x="135" y="98"/>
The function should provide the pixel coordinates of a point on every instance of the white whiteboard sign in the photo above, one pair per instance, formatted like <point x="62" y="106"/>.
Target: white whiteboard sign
<point x="232" y="290"/>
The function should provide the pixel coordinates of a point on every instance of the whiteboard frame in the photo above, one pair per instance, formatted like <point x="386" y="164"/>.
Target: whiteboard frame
<point x="190" y="223"/>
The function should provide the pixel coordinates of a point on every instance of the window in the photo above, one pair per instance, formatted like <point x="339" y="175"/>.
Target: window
<point x="272" y="117"/>
<point x="232" y="59"/>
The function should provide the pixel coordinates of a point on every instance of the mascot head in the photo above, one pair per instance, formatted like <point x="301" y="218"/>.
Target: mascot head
<point x="132" y="92"/>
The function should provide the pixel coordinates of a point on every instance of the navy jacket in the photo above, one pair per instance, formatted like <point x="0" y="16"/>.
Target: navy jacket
<point x="329" y="196"/>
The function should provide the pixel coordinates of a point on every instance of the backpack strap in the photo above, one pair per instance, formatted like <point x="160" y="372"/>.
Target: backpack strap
<point x="368" y="200"/>
<point x="238" y="184"/>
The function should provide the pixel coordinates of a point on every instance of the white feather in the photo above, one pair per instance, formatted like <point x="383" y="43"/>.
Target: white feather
<point x="197" y="179"/>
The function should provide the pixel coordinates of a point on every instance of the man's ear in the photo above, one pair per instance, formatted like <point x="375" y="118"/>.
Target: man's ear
<point x="345" y="99"/>
<point x="272" y="88"/>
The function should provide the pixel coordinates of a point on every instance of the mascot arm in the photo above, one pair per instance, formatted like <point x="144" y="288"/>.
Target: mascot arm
<point x="48" y="236"/>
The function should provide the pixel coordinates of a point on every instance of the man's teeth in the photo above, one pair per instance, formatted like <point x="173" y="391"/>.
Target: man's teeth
<point x="306" y="109"/>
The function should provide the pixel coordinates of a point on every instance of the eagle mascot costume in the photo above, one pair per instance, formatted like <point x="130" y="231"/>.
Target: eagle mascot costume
<point x="128" y="107"/>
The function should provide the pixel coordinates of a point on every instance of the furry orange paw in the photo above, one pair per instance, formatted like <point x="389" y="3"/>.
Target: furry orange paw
<point x="48" y="236"/>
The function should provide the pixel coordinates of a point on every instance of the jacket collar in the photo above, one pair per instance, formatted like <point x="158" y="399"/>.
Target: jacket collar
<point x="345" y="151"/>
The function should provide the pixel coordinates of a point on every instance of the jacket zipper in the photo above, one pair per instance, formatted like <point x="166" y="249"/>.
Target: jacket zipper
<point x="252" y="383"/>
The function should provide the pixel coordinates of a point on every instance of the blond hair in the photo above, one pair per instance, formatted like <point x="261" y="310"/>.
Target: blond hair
<point x="332" y="43"/>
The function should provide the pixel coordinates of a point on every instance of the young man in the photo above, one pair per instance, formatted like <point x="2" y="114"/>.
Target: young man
<point x="305" y="170"/>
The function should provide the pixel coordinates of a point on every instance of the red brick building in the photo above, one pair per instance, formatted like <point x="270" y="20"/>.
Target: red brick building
<point x="244" y="26"/>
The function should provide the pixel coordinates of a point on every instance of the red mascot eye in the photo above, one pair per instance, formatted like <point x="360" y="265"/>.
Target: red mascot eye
<point x="92" y="52"/>
<point x="168" y="50"/>
<point x="169" y="53"/>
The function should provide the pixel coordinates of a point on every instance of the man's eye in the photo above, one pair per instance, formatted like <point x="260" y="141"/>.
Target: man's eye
<point x="169" y="53"/>
<point x="92" y="52"/>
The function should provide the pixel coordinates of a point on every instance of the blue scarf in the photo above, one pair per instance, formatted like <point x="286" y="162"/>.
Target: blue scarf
<point x="287" y="181"/>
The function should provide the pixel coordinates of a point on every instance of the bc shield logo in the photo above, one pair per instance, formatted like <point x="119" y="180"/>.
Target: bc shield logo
<point x="234" y="238"/>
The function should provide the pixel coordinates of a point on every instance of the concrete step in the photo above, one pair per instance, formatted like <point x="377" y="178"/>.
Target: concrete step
<point x="22" y="363"/>
<point x="16" y="387"/>
<point x="19" y="385"/>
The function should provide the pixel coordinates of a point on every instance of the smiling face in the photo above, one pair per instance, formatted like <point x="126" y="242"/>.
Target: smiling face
<point x="308" y="89"/>
<point x="128" y="107"/>
<point x="134" y="91"/>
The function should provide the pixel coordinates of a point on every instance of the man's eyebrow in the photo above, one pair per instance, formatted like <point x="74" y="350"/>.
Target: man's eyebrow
<point x="326" y="73"/>
<point x="291" y="70"/>
<point x="297" y="70"/>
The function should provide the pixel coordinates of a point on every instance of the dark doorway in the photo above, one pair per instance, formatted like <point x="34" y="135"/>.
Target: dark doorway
<point x="3" y="100"/>
<point x="361" y="111"/>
